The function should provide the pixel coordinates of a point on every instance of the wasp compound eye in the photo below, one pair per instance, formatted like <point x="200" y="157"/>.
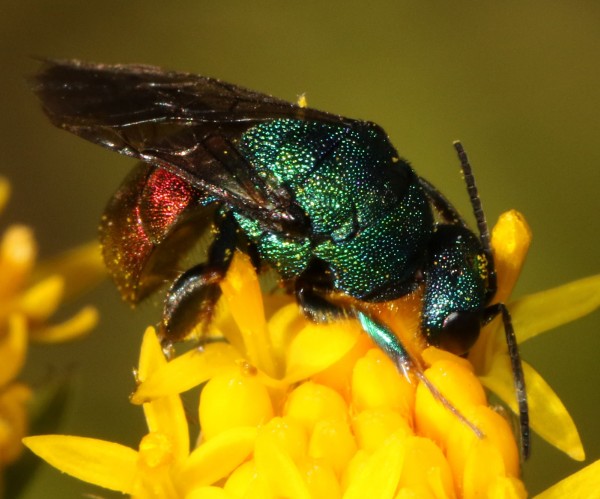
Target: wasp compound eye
<point x="460" y="331"/>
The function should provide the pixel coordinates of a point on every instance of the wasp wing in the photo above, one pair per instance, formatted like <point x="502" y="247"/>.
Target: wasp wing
<point x="152" y="220"/>
<point x="185" y="123"/>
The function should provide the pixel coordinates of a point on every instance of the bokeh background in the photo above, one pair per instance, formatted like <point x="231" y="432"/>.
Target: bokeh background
<point x="518" y="82"/>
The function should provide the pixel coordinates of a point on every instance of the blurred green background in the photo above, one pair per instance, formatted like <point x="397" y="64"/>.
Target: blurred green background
<point x="517" y="82"/>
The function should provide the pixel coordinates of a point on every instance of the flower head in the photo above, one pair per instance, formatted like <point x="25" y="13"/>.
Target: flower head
<point x="290" y="408"/>
<point x="29" y="296"/>
<point x="34" y="292"/>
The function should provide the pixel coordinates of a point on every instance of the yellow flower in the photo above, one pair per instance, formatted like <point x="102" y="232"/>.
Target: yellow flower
<point x="531" y="316"/>
<point x="163" y="466"/>
<point x="35" y="292"/>
<point x="29" y="295"/>
<point x="584" y="483"/>
<point x="294" y="409"/>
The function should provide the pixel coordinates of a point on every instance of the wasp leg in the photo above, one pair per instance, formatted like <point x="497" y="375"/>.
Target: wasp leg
<point x="311" y="288"/>
<point x="317" y="308"/>
<point x="517" y="371"/>
<point x="193" y="296"/>
<point x="406" y="364"/>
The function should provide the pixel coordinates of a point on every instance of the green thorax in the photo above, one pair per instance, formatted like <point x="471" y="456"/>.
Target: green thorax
<point x="368" y="215"/>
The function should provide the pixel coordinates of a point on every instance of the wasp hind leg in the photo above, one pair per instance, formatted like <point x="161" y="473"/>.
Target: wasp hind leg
<point x="191" y="301"/>
<point x="317" y="308"/>
<point x="311" y="289"/>
<point x="406" y="364"/>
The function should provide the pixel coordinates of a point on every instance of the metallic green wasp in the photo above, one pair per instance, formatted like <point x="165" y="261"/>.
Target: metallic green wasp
<point x="323" y="200"/>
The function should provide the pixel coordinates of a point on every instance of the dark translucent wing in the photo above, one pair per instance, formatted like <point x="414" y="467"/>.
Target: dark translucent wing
<point x="182" y="122"/>
<point x="83" y="94"/>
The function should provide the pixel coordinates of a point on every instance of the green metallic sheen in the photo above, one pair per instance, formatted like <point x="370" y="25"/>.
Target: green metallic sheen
<point x="455" y="279"/>
<point x="383" y="337"/>
<point x="399" y="236"/>
<point x="360" y="198"/>
<point x="290" y="257"/>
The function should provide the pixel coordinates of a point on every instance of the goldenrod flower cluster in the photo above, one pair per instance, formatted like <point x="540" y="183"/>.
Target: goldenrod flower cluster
<point x="294" y="409"/>
<point x="30" y="294"/>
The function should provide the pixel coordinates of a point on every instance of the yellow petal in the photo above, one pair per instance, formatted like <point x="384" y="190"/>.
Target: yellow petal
<point x="584" y="483"/>
<point x="17" y="257"/>
<point x="547" y="412"/>
<point x="42" y="300"/>
<point x="106" y="464"/>
<point x="284" y="325"/>
<point x="318" y="346"/>
<point x="241" y="291"/>
<point x="332" y="443"/>
<point x="4" y="192"/>
<point x="13" y="347"/>
<point x="208" y="493"/>
<point x="377" y="384"/>
<point x="540" y="312"/>
<point x="75" y="327"/>
<point x="164" y="415"/>
<point x="511" y="237"/>
<point x="483" y="465"/>
<point x="232" y="399"/>
<point x="289" y="435"/>
<point x="218" y="457"/>
<point x="14" y="411"/>
<point x="425" y="469"/>
<point x="278" y="468"/>
<point x="155" y="452"/>
<point x="152" y="357"/>
<point x="186" y="371"/>
<point x="321" y="479"/>
<point x="506" y="487"/>
<point x="373" y="426"/>
<point x="167" y="416"/>
<point x="495" y="454"/>
<point x="459" y="385"/>
<point x="380" y="474"/>
<point x="81" y="268"/>
<point x="431" y="355"/>
<point x="405" y="493"/>
<point x="339" y="374"/>
<point x="247" y="483"/>
<point x="311" y="402"/>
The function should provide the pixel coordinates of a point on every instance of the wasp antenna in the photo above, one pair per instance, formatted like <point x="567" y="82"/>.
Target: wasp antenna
<point x="439" y="396"/>
<point x="482" y="226"/>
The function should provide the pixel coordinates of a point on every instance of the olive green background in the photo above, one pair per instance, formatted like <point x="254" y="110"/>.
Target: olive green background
<point x="517" y="81"/>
